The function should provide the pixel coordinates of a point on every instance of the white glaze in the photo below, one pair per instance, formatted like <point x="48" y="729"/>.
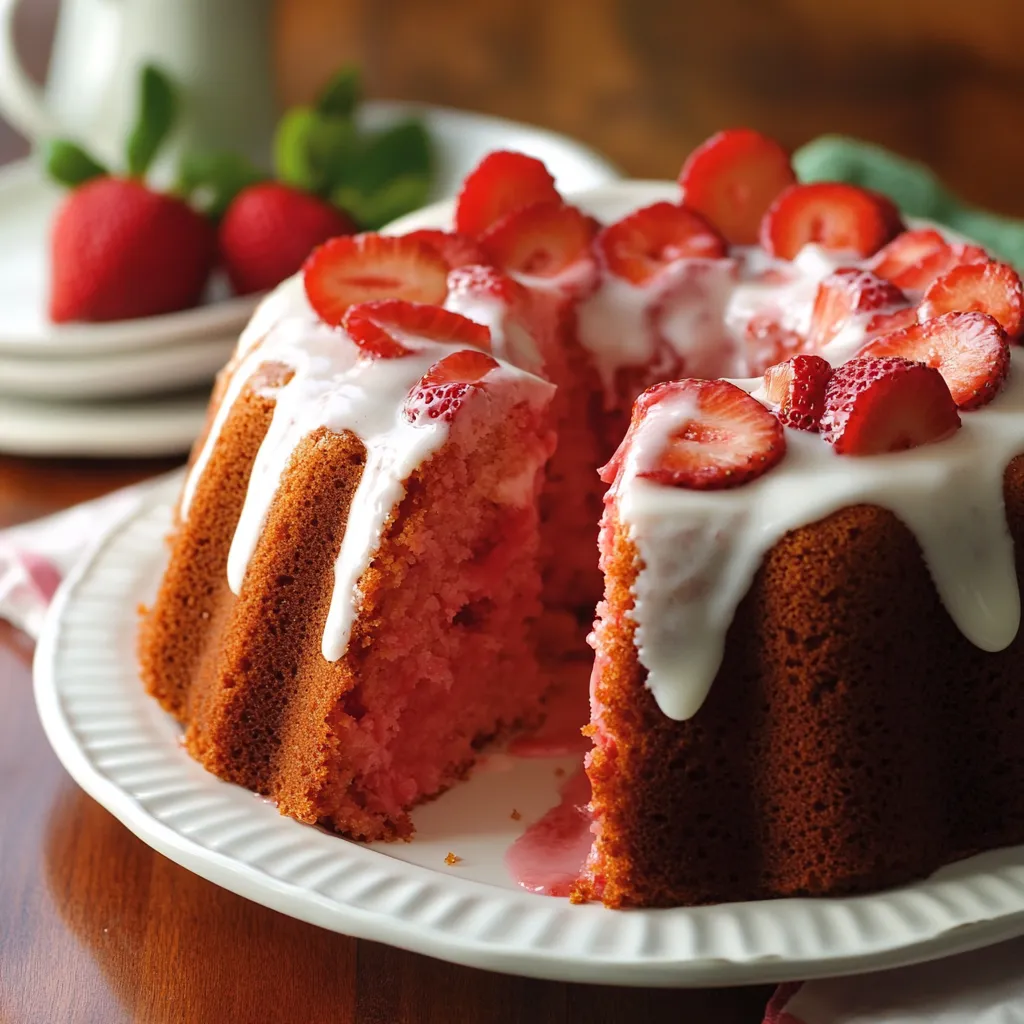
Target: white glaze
<point x="332" y="387"/>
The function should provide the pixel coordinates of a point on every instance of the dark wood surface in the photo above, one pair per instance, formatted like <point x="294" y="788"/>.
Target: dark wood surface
<point x="94" y="926"/>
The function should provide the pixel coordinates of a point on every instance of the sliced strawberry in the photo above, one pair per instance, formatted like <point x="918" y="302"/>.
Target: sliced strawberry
<point x="885" y="323"/>
<point x="836" y="216"/>
<point x="900" y="259"/>
<point x="455" y="249"/>
<point x="542" y="240"/>
<point x="377" y="327"/>
<point x="640" y="246"/>
<point x="360" y="268"/>
<point x="970" y="350"/>
<point x="845" y="294"/>
<point x="485" y="282"/>
<point x="446" y="385"/>
<point x="992" y="288"/>
<point x="768" y="342"/>
<point x="732" y="179"/>
<point x="873" y="406"/>
<point x="502" y="182"/>
<point x="717" y="436"/>
<point x="797" y="390"/>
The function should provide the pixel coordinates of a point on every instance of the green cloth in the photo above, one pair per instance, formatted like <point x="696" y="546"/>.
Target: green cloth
<point x="915" y="189"/>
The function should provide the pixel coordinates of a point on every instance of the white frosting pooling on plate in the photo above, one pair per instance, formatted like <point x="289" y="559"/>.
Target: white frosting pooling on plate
<point x="332" y="387"/>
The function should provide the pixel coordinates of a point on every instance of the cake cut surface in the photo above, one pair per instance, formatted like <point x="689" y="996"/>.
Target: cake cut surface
<point x="806" y="575"/>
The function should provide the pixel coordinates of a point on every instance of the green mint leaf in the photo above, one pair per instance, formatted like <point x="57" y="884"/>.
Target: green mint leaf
<point x="212" y="180"/>
<point x="69" y="164"/>
<point x="158" y="109"/>
<point x="372" y="210"/>
<point x="313" y="152"/>
<point x="398" y="152"/>
<point x="340" y="96"/>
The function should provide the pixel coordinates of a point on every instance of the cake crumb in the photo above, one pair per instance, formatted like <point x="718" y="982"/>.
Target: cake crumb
<point x="451" y="859"/>
<point x="515" y="815"/>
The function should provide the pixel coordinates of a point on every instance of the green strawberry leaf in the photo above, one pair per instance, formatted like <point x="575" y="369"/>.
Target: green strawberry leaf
<point x="372" y="210"/>
<point x="212" y="180"/>
<point x="313" y="152"/>
<point x="69" y="164"/>
<point x="401" y="151"/>
<point x="341" y="95"/>
<point x="158" y="108"/>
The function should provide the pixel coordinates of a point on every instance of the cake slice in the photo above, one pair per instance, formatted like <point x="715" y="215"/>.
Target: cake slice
<point x="354" y="572"/>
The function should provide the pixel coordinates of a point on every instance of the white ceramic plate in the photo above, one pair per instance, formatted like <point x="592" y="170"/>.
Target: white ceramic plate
<point x="124" y="751"/>
<point x="186" y="363"/>
<point x="27" y="203"/>
<point x="139" y="428"/>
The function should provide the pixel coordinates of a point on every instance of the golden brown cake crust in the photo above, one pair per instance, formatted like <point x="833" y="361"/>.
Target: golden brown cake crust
<point x="852" y="740"/>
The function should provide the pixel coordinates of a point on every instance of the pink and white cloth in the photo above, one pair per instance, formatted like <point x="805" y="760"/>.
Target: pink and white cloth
<point x="984" y="987"/>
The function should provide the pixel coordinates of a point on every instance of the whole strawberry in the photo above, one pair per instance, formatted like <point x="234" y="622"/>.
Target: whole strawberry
<point x="269" y="230"/>
<point x="118" y="248"/>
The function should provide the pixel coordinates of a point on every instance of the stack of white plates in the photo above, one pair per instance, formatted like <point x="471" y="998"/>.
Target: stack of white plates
<point x="140" y="387"/>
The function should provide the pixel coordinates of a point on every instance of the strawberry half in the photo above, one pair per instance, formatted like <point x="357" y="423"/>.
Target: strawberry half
<point x="836" y="216"/>
<point x="446" y="385"/>
<point x="360" y="268"/>
<point x="542" y="240"/>
<point x="844" y="294"/>
<point x="377" y="327"/>
<point x="873" y="406"/>
<point x="797" y="390"/>
<point x="455" y="249"/>
<point x="970" y="350"/>
<point x="767" y="342"/>
<point x="733" y="178"/>
<point x="638" y="247"/>
<point x="719" y="436"/>
<point x="992" y="288"/>
<point x="501" y="183"/>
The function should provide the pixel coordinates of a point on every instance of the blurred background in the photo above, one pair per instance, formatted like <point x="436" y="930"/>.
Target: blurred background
<point x="644" y="80"/>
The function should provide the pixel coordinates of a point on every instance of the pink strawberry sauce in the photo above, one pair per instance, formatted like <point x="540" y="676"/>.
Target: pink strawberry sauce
<point x="551" y="854"/>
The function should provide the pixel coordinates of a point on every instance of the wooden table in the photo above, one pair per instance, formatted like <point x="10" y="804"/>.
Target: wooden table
<point x="97" y="928"/>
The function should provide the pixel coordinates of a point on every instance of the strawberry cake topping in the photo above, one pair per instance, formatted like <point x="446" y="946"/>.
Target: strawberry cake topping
<point x="795" y="390"/>
<point x="639" y="247"/>
<point x="890" y="404"/>
<point x="360" y="268"/>
<point x="543" y="240"/>
<point x="992" y="288"/>
<point x="847" y="294"/>
<point x="839" y="217"/>
<point x="970" y="350"/>
<point x="733" y="178"/>
<point x="914" y="259"/>
<point x="379" y="327"/>
<point x="705" y="435"/>
<point x="455" y="249"/>
<point x="502" y="183"/>
<point x="447" y="384"/>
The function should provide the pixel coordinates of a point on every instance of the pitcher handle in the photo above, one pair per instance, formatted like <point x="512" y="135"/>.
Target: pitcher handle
<point x="21" y="100"/>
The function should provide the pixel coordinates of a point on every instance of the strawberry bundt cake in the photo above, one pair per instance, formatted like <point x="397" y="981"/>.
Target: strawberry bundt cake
<point x="811" y="425"/>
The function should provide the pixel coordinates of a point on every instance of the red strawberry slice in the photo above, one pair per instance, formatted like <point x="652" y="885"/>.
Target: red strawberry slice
<point x="485" y="282"/>
<point x="377" y="327"/>
<point x="768" y="342"/>
<point x="542" y="240"/>
<point x="732" y="179"/>
<point x="992" y="288"/>
<point x="836" y="216"/>
<point x="873" y="406"/>
<point x="360" y="268"/>
<point x="970" y="350"/>
<point x="446" y="385"/>
<point x="900" y="260"/>
<point x="797" y="389"/>
<point x="886" y="323"/>
<point x="718" y="436"/>
<point x="455" y="249"/>
<point x="847" y="293"/>
<point x="640" y="246"/>
<point x="501" y="183"/>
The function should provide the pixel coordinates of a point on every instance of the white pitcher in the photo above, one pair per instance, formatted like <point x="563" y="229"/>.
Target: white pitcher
<point x="218" y="53"/>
